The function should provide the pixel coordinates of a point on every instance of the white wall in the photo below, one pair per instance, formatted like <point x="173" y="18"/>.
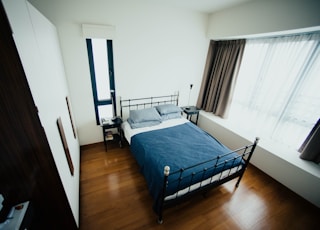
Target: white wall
<point x="264" y="16"/>
<point x="38" y="47"/>
<point x="157" y="50"/>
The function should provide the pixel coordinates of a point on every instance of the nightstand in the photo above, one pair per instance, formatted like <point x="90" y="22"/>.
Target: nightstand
<point x="108" y="135"/>
<point x="190" y="111"/>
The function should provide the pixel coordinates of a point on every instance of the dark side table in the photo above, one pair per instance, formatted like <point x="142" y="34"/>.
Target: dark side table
<point x="107" y="133"/>
<point x="190" y="111"/>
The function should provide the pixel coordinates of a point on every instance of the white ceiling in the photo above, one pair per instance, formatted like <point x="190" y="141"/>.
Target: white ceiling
<point x="205" y="6"/>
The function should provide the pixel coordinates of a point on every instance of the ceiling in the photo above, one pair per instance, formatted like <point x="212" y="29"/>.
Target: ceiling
<point x="205" y="6"/>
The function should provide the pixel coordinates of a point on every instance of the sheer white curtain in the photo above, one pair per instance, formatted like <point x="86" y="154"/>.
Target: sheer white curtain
<point x="277" y="93"/>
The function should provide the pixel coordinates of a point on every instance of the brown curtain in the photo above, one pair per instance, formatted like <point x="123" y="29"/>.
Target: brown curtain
<point x="310" y="149"/>
<point x="221" y="70"/>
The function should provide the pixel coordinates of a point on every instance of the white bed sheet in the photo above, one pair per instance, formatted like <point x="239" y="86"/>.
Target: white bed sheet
<point x="129" y="133"/>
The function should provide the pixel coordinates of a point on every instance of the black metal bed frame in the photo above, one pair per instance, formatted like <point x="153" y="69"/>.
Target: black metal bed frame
<point x="245" y="153"/>
<point x="142" y="103"/>
<point x="229" y="174"/>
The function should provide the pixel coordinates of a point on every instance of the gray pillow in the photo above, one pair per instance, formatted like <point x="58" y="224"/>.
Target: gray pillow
<point x="168" y="108"/>
<point x="171" y="116"/>
<point x="142" y="124"/>
<point x="143" y="115"/>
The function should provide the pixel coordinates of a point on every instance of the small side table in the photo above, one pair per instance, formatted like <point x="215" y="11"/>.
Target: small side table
<point x="19" y="217"/>
<point x="106" y="129"/>
<point x="190" y="111"/>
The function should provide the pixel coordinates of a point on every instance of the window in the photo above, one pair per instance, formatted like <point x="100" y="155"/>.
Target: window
<point x="100" y="56"/>
<point x="277" y="92"/>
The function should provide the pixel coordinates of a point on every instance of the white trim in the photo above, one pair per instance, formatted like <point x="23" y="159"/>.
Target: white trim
<point x="271" y="34"/>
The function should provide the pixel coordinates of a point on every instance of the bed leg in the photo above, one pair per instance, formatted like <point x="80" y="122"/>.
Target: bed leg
<point x="240" y="177"/>
<point x="204" y="194"/>
<point x="166" y="173"/>
<point x="238" y="182"/>
<point x="160" y="220"/>
<point x="248" y="160"/>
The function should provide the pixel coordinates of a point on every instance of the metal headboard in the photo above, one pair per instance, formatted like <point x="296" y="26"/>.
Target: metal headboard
<point x="147" y="102"/>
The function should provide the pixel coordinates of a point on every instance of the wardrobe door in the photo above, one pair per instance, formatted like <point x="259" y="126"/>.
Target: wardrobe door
<point x="27" y="168"/>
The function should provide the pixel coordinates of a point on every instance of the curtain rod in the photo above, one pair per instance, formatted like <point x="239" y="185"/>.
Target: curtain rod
<point x="303" y="31"/>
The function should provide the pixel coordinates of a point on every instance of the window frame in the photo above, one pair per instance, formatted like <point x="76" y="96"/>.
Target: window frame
<point x="98" y="102"/>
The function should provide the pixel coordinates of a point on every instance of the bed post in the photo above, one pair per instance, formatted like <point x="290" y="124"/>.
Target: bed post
<point x="177" y="97"/>
<point x="248" y="160"/>
<point x="121" y="115"/>
<point x="165" y="182"/>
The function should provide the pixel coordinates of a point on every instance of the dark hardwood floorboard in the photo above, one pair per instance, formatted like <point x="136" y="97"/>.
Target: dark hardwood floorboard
<point x="114" y="195"/>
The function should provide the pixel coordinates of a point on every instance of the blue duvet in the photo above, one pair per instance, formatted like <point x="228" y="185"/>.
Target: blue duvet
<point x="178" y="147"/>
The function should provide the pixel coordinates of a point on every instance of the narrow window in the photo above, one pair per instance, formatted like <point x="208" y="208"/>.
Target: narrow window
<point x="100" y="56"/>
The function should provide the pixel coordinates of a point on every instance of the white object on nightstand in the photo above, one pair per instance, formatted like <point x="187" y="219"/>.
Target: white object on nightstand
<point x="14" y="223"/>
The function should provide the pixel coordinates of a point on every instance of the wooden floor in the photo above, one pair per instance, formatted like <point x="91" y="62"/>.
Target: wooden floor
<point x="113" y="195"/>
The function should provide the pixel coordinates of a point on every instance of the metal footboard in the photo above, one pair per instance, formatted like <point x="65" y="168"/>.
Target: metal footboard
<point x="210" y="177"/>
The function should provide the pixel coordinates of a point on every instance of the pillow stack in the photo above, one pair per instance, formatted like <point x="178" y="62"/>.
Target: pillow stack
<point x="153" y="116"/>
<point x="143" y="118"/>
<point x="169" y="111"/>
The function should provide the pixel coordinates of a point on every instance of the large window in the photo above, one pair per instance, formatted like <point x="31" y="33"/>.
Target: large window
<point x="102" y="77"/>
<point x="277" y="93"/>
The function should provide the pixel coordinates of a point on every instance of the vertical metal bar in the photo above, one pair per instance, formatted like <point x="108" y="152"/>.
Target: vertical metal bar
<point x="248" y="160"/>
<point x="214" y="169"/>
<point x="166" y="173"/>
<point x="178" y="98"/>
<point x="192" y="175"/>
<point x="180" y="179"/>
<point x="224" y="164"/>
<point x="204" y="172"/>
<point x="121" y="113"/>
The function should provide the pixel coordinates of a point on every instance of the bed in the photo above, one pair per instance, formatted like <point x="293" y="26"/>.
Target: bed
<point x="176" y="157"/>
